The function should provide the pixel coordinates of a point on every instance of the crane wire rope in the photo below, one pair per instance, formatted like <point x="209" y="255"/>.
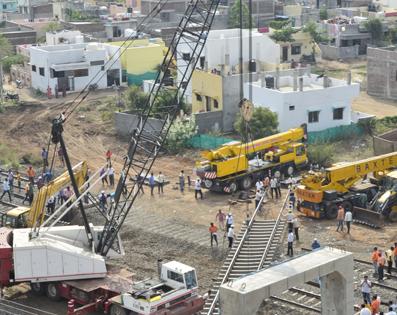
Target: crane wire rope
<point x="119" y="52"/>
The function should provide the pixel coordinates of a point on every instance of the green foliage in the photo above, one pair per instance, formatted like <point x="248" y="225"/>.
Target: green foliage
<point x="375" y="28"/>
<point x="322" y="154"/>
<point x="8" y="158"/>
<point x="135" y="98"/>
<point x="278" y="25"/>
<point x="323" y="14"/>
<point x="38" y="93"/>
<point x="284" y="35"/>
<point x="386" y="124"/>
<point x="181" y="131"/>
<point x="136" y="101"/>
<point x="5" y="47"/>
<point x="234" y="15"/>
<point x="74" y="15"/>
<point x="368" y="125"/>
<point x="263" y="123"/>
<point x="53" y="27"/>
<point x="13" y="60"/>
<point x="311" y="29"/>
<point x="392" y="35"/>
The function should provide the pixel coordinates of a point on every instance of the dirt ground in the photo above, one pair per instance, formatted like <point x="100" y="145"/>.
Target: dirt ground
<point x="25" y="129"/>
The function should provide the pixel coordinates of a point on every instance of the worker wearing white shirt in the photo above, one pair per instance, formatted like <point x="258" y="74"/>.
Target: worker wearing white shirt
<point x="364" y="310"/>
<point x="230" y="235"/>
<point x="259" y="185"/>
<point x="290" y="238"/>
<point x="229" y="221"/>
<point x="348" y="219"/>
<point x="391" y="312"/>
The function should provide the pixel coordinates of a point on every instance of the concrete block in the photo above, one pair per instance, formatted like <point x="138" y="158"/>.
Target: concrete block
<point x="296" y="280"/>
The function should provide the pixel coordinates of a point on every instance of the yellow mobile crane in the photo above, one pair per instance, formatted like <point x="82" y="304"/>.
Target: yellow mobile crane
<point x="22" y="217"/>
<point x="320" y="193"/>
<point x="241" y="164"/>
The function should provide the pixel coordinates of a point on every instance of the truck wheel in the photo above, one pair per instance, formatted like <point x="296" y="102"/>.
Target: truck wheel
<point x="331" y="211"/>
<point x="246" y="183"/>
<point x="393" y="216"/>
<point x="289" y="171"/>
<point x="117" y="310"/>
<point x="52" y="291"/>
<point x="232" y="187"/>
<point x="37" y="288"/>
<point x="347" y="205"/>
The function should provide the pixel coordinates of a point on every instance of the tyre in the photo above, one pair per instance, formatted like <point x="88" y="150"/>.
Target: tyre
<point x="289" y="171"/>
<point x="208" y="183"/>
<point x="246" y="183"/>
<point x="52" y="291"/>
<point x="347" y="205"/>
<point x="37" y="288"/>
<point x="331" y="211"/>
<point x="117" y="310"/>
<point x="232" y="187"/>
<point x="393" y="216"/>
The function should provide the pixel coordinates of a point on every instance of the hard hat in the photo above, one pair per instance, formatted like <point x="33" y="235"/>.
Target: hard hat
<point x="289" y="210"/>
<point x="315" y="239"/>
<point x="230" y="213"/>
<point x="102" y="192"/>
<point x="232" y="226"/>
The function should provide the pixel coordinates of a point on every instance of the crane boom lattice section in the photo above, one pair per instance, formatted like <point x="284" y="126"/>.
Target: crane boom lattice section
<point x="145" y="144"/>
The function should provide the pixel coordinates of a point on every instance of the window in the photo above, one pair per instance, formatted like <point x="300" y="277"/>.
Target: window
<point x="295" y="50"/>
<point x="202" y="62"/>
<point x="41" y="71"/>
<point x="57" y="74"/>
<point x="81" y="73"/>
<point x="33" y="68"/>
<point x="186" y="56"/>
<point x="314" y="116"/>
<point x="4" y="6"/>
<point x="292" y="107"/>
<point x="198" y="97"/>
<point x="103" y="68"/>
<point x="216" y="105"/>
<point x="338" y="113"/>
<point x="97" y="63"/>
<point x="174" y="276"/>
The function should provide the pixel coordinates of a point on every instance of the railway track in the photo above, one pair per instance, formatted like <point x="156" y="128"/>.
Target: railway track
<point x="254" y="248"/>
<point x="8" y="307"/>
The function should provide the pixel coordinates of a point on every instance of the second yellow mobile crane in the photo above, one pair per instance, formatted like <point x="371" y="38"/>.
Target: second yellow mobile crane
<point x="320" y="193"/>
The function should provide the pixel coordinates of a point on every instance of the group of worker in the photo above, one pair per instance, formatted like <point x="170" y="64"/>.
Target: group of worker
<point x="8" y="184"/>
<point x="228" y="228"/>
<point x="270" y="186"/>
<point x="371" y="304"/>
<point x="381" y="259"/>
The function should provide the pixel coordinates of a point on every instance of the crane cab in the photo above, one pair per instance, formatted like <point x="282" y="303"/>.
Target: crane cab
<point x="179" y="275"/>
<point x="16" y="218"/>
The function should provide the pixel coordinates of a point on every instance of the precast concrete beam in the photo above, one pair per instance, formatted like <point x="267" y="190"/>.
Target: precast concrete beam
<point x="332" y="266"/>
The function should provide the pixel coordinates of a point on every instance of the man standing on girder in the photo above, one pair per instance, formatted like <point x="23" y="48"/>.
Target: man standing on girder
<point x="290" y="250"/>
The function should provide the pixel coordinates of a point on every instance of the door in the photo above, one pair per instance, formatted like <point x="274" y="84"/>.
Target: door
<point x="71" y="83"/>
<point x="285" y="53"/>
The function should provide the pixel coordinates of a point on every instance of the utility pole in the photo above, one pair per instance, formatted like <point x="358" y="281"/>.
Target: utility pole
<point x="1" y="81"/>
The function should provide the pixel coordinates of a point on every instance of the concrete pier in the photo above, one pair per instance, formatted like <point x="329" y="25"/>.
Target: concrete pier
<point x="332" y="266"/>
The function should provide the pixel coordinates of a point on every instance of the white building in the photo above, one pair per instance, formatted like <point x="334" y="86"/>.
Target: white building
<point x="72" y="67"/>
<point x="320" y="102"/>
<point x="222" y="48"/>
<point x="64" y="37"/>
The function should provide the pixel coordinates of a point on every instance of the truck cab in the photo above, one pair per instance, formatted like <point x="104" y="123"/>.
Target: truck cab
<point x="15" y="218"/>
<point x="175" y="292"/>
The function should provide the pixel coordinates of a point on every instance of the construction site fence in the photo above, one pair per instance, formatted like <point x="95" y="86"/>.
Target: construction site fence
<point x="208" y="142"/>
<point x="335" y="134"/>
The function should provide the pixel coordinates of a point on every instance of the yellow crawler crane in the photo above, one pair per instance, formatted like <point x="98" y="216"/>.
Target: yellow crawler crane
<point x="320" y="193"/>
<point x="238" y="165"/>
<point x="22" y="217"/>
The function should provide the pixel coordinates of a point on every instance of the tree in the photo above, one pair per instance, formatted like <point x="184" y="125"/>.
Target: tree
<point x="375" y="28"/>
<point x="278" y="25"/>
<point x="234" y="15"/>
<point x="165" y="99"/>
<point x="135" y="98"/>
<point x="316" y="36"/>
<point x="323" y="14"/>
<point x="321" y="154"/>
<point x="5" y="47"/>
<point x="263" y="123"/>
<point x="13" y="60"/>
<point x="284" y="35"/>
<point x="181" y="131"/>
<point x="53" y="27"/>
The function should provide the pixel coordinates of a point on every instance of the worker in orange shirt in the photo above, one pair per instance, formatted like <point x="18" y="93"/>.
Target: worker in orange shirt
<point x="375" y="305"/>
<point x="374" y="258"/>
<point x="381" y="266"/>
<point x="31" y="174"/>
<point x="108" y="156"/>
<point x="213" y="230"/>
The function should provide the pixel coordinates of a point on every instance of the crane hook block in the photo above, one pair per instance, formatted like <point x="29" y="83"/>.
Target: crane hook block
<point x="56" y="130"/>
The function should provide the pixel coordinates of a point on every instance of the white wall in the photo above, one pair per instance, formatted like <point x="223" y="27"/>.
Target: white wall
<point x="222" y="42"/>
<point x="47" y="56"/>
<point x="323" y="100"/>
